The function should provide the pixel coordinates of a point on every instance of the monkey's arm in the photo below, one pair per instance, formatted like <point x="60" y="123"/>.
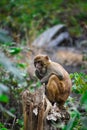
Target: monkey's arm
<point x="58" y="74"/>
<point x="38" y="74"/>
<point x="56" y="70"/>
<point x="46" y="77"/>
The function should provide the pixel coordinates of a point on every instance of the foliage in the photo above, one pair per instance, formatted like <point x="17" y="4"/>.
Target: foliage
<point x="73" y="121"/>
<point x="12" y="113"/>
<point x="2" y="127"/>
<point x="78" y="118"/>
<point x="13" y="80"/>
<point x="26" y="15"/>
<point x="29" y="18"/>
<point x="79" y="82"/>
<point x="84" y="99"/>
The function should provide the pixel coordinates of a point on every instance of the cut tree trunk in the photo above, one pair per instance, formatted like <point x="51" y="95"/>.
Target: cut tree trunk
<point x="39" y="114"/>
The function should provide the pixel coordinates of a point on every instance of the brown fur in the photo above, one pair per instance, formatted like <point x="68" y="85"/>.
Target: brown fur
<point x="56" y="78"/>
<point x="57" y="90"/>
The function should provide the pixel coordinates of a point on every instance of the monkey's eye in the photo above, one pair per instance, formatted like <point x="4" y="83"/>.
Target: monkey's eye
<point x="39" y="63"/>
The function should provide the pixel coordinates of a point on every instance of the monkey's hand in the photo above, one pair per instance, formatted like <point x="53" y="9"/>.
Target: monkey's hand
<point x="45" y="79"/>
<point x="59" y="75"/>
<point x="38" y="74"/>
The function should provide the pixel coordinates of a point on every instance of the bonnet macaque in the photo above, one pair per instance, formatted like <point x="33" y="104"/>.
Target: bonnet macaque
<point x="55" y="77"/>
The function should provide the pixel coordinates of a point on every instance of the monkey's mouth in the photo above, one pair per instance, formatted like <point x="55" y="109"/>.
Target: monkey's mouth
<point x="39" y="68"/>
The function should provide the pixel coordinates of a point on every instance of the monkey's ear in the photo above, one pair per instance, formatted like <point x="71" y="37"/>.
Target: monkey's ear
<point x="47" y="58"/>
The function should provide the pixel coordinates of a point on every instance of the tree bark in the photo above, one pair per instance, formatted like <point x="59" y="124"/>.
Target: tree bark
<point x="39" y="114"/>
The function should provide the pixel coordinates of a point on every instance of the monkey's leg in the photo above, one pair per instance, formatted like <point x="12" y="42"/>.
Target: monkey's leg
<point x="55" y="91"/>
<point x="52" y="88"/>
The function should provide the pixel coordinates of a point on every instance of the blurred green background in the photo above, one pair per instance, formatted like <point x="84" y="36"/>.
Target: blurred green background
<point x="28" y="18"/>
<point x="21" y="21"/>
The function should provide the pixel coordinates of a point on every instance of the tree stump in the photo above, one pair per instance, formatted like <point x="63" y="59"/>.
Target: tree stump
<point x="39" y="114"/>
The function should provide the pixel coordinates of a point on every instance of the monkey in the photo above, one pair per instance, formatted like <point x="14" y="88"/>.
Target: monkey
<point x="56" y="79"/>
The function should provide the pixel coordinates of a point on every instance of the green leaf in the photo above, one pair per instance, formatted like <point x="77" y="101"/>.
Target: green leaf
<point x="1" y="125"/>
<point x="72" y="123"/>
<point x="20" y="122"/>
<point x="22" y="65"/>
<point x="4" y="98"/>
<point x="38" y="84"/>
<point x="3" y="129"/>
<point x="84" y="99"/>
<point x="15" y="50"/>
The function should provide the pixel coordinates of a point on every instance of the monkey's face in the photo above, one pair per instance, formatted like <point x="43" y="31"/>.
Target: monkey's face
<point x="40" y="67"/>
<point x="40" y="63"/>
